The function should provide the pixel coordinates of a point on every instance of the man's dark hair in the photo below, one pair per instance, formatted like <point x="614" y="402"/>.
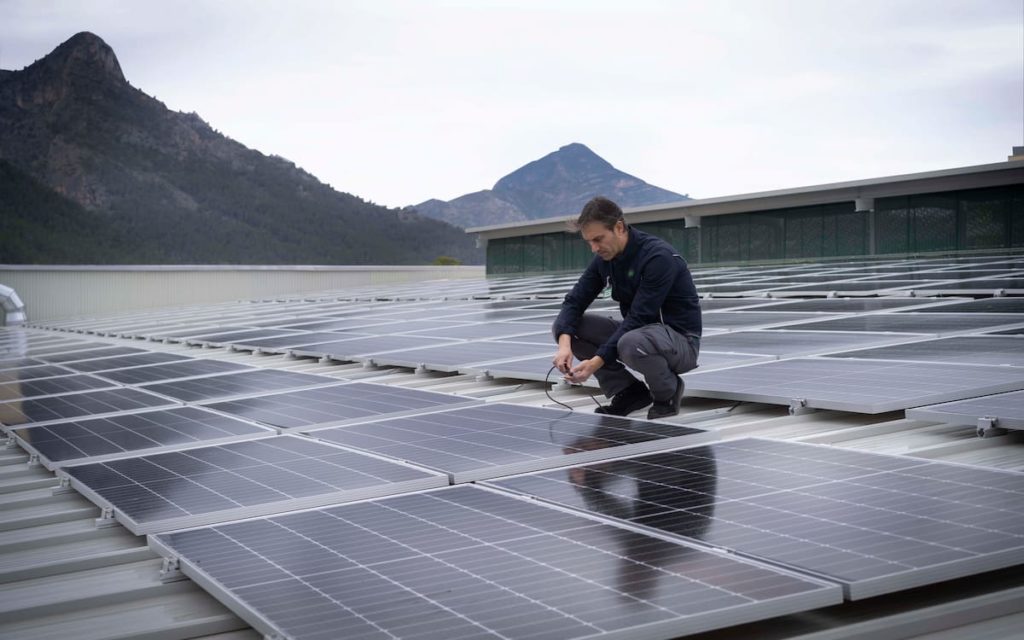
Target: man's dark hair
<point x="602" y="210"/>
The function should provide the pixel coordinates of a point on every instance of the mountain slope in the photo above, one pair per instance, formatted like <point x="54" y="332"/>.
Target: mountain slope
<point x="559" y="184"/>
<point x="175" y="190"/>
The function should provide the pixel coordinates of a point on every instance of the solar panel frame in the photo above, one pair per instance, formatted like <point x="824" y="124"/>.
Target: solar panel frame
<point x="506" y="439"/>
<point x="459" y="355"/>
<point x="99" y="365"/>
<point x="48" y="451"/>
<point x="34" y="372"/>
<point x="476" y="598"/>
<point x="853" y="504"/>
<point x="151" y="474"/>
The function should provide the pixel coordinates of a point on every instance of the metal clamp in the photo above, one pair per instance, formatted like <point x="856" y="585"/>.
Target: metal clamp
<point x="988" y="427"/>
<point x="106" y="518"/>
<point x="798" y="407"/>
<point x="170" y="571"/>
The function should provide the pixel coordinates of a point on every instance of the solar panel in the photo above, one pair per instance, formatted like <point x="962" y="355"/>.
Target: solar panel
<point x="236" y="384"/>
<point x="283" y="343"/>
<point x="357" y="347"/>
<point x="20" y="363"/>
<point x="336" y="405"/>
<point x="465" y="562"/>
<point x="52" y="386"/>
<point x="791" y="343"/>
<point x="874" y="523"/>
<point x="455" y="356"/>
<point x="68" y="346"/>
<point x="231" y="337"/>
<point x="937" y="323"/>
<point x="124" y="362"/>
<point x="1002" y="411"/>
<point x="174" y="371"/>
<point x="848" y="305"/>
<point x="498" y="439"/>
<point x="847" y="384"/>
<point x="76" y="405"/>
<point x="482" y="331"/>
<point x="992" y="350"/>
<point x="165" y="491"/>
<point x="750" y="319"/>
<point x="984" y="305"/>
<point x="33" y="372"/>
<point x="61" y="443"/>
<point x="89" y="354"/>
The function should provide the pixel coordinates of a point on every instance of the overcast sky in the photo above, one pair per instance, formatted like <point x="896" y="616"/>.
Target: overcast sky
<point x="401" y="101"/>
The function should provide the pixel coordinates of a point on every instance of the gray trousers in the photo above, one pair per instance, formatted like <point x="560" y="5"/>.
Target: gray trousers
<point x="656" y="351"/>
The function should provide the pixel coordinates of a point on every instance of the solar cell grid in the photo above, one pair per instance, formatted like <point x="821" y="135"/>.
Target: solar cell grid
<point x="990" y="350"/>
<point x="498" y="439"/>
<point x="99" y="438"/>
<point x="192" y="487"/>
<point x="451" y="357"/>
<point x="465" y="562"/>
<point x="337" y="404"/>
<point x="874" y="523"/>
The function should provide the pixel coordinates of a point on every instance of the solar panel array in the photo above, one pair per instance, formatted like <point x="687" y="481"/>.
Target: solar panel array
<point x="262" y="460"/>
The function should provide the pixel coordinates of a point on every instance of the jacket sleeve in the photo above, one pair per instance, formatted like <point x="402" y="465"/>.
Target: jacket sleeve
<point x="656" y="276"/>
<point x="587" y="288"/>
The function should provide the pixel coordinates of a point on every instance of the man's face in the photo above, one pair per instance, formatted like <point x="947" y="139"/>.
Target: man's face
<point x="603" y="241"/>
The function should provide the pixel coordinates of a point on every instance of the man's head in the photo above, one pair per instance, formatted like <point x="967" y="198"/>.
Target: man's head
<point x="601" y="224"/>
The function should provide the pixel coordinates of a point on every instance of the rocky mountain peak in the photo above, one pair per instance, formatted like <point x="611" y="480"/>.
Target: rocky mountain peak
<point x="83" y="63"/>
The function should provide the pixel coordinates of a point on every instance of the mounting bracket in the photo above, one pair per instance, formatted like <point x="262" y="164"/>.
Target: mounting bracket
<point x="988" y="427"/>
<point x="798" y="407"/>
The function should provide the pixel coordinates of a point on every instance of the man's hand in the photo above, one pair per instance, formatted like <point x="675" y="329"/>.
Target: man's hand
<point x="563" y="358"/>
<point x="581" y="372"/>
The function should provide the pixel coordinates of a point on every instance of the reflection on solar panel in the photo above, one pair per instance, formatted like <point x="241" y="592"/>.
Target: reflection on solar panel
<point x="995" y="350"/>
<point x="178" y="489"/>
<point x="860" y="386"/>
<point x="337" y="404"/>
<point x="52" y="386"/>
<point x="482" y="331"/>
<point x="464" y="562"/>
<point x="88" y="354"/>
<point x="101" y="438"/>
<point x="1000" y="411"/>
<point x="874" y="523"/>
<point x="75" y="405"/>
<point x="236" y="384"/>
<point x="499" y="439"/>
<point x="283" y="342"/>
<point x="18" y="363"/>
<point x="232" y="337"/>
<point x="174" y="371"/>
<point x="123" y="362"/>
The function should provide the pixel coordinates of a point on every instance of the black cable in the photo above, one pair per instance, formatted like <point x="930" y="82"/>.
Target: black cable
<point x="547" y="382"/>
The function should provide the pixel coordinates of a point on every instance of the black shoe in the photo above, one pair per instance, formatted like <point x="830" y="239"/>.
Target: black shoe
<point x="669" y="407"/>
<point x="633" y="398"/>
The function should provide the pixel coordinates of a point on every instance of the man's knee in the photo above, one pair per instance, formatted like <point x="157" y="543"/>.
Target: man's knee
<point x="635" y="345"/>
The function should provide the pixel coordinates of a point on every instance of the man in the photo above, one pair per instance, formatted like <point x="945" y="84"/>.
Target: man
<point x="659" y="335"/>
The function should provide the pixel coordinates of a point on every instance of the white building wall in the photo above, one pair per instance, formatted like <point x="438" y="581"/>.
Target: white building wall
<point x="60" y="292"/>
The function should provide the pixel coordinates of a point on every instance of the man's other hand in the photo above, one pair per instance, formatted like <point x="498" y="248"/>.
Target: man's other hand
<point x="582" y="372"/>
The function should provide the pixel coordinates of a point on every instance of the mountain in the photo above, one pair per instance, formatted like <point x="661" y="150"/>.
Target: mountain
<point x="559" y="184"/>
<point x="83" y="150"/>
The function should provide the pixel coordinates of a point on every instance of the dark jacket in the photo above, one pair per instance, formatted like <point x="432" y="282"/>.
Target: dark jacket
<point x="651" y="283"/>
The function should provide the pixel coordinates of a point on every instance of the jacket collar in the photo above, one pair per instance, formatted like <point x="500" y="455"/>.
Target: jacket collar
<point x="632" y="247"/>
